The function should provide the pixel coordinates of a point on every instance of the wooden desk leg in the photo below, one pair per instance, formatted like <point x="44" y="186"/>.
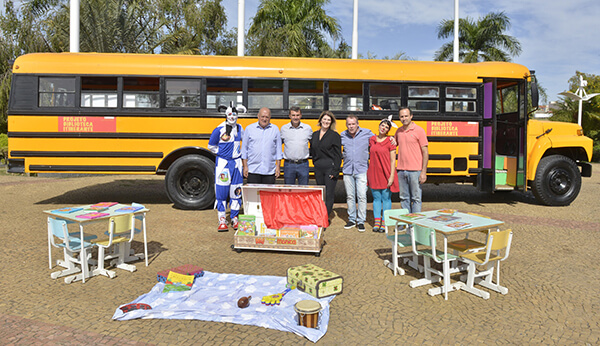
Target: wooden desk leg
<point x="145" y="240"/>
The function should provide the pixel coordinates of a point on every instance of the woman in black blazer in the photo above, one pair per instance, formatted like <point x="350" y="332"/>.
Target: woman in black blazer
<point x="326" y="152"/>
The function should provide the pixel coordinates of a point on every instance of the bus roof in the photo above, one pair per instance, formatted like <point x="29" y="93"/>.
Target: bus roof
<point x="261" y="67"/>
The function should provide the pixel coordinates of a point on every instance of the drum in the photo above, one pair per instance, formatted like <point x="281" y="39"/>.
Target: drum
<point x="308" y="313"/>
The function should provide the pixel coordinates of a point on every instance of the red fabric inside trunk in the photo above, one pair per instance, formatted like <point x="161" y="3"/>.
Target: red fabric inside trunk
<point x="293" y="208"/>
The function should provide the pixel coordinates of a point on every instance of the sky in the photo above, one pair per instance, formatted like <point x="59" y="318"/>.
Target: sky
<point x="558" y="37"/>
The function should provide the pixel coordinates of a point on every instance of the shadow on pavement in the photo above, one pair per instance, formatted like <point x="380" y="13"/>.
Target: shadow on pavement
<point x="122" y="191"/>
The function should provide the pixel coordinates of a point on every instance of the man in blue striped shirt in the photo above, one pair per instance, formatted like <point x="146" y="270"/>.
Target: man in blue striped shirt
<point x="355" y="142"/>
<point x="261" y="150"/>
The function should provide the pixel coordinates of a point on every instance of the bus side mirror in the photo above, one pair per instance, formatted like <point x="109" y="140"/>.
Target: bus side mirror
<point x="535" y="94"/>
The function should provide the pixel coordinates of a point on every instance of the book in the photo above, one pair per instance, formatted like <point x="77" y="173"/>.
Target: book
<point x="97" y="209"/>
<point x="246" y="225"/>
<point x="101" y="206"/>
<point x="446" y="212"/>
<point x="458" y="225"/>
<point x="92" y="215"/>
<point x="128" y="209"/>
<point x="412" y="216"/>
<point x="442" y="218"/>
<point x="178" y="282"/>
<point x="67" y="210"/>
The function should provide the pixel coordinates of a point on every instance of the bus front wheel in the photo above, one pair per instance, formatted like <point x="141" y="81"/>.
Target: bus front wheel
<point x="557" y="181"/>
<point x="190" y="182"/>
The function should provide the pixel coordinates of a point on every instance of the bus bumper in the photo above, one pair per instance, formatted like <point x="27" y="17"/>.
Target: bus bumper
<point x="16" y="166"/>
<point x="586" y="169"/>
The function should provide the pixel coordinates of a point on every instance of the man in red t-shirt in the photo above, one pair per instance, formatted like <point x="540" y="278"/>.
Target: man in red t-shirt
<point x="413" y="156"/>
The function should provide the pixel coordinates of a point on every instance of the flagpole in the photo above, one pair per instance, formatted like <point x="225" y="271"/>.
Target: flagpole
<point x="241" y="14"/>
<point x="355" y="31"/>
<point x="74" y="27"/>
<point x="456" y="20"/>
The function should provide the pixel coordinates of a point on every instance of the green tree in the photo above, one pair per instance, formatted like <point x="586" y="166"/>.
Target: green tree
<point x="21" y="31"/>
<point x="195" y="27"/>
<point x="398" y="56"/>
<point x="292" y="28"/>
<point x="481" y="40"/>
<point x="590" y="115"/>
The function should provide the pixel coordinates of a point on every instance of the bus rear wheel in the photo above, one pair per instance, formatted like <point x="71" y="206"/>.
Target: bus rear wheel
<point x="557" y="181"/>
<point x="190" y="182"/>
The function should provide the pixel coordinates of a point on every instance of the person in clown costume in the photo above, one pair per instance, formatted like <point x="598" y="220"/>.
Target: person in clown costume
<point x="225" y="142"/>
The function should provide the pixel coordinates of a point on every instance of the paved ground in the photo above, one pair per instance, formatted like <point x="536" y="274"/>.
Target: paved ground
<point x="552" y="273"/>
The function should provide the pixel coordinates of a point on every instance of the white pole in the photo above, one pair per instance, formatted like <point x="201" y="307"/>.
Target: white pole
<point x="456" y="20"/>
<point x="74" y="28"/>
<point x="355" y="32"/>
<point x="241" y="14"/>
<point x="579" y="112"/>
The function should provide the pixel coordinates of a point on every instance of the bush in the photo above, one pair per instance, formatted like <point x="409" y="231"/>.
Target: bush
<point x="596" y="153"/>
<point x="3" y="147"/>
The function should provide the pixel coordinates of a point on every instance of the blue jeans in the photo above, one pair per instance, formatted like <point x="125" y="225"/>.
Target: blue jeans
<point x="382" y="201"/>
<point x="291" y="171"/>
<point x="410" y="190"/>
<point x="356" y="187"/>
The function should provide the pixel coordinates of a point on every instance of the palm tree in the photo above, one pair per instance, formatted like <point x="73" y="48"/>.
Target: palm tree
<point x="126" y="26"/>
<point x="481" y="40"/>
<point x="292" y="28"/>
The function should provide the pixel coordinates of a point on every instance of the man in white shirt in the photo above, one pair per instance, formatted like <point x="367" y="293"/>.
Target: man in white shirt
<point x="295" y="136"/>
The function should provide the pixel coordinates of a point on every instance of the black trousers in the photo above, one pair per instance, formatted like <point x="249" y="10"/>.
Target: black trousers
<point x="322" y="178"/>
<point x="254" y="178"/>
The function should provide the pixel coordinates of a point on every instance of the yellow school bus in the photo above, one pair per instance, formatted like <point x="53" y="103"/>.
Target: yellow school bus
<point x="153" y="114"/>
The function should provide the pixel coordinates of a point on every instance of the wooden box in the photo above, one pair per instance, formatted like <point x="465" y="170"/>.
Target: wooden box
<point x="271" y="239"/>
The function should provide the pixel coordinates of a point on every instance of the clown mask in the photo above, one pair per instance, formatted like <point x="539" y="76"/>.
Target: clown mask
<point x="231" y="116"/>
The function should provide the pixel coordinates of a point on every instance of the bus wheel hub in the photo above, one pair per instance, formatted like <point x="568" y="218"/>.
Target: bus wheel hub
<point x="560" y="182"/>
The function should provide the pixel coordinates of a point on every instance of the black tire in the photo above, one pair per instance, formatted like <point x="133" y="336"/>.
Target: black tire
<point x="557" y="181"/>
<point x="190" y="182"/>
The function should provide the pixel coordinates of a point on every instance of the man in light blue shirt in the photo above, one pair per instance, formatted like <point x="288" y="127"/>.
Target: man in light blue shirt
<point x="295" y="136"/>
<point x="356" y="162"/>
<point x="261" y="150"/>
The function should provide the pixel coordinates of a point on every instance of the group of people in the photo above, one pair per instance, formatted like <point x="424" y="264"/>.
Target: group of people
<point x="369" y="161"/>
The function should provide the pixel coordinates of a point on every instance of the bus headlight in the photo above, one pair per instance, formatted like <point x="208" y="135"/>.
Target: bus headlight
<point x="580" y="132"/>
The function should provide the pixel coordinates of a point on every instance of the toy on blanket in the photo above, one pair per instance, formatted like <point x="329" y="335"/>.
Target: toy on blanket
<point x="274" y="299"/>
<point x="178" y="282"/>
<point x="134" y="306"/>
<point x="187" y="269"/>
<point x="244" y="302"/>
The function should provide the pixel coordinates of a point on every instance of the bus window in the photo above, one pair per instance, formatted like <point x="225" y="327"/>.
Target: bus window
<point x="306" y="94"/>
<point x="384" y="96"/>
<point x="184" y="93"/>
<point x="345" y="96"/>
<point x="141" y="92"/>
<point x="459" y="99"/>
<point x="99" y="92"/>
<point x="421" y="98"/>
<point x="265" y="93"/>
<point x="222" y="92"/>
<point x="506" y="100"/>
<point x="56" y="92"/>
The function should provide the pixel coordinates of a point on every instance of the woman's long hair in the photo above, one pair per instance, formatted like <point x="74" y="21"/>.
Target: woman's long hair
<point x="330" y="114"/>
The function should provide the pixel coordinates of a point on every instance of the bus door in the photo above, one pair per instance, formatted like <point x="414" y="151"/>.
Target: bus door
<point x="504" y="135"/>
